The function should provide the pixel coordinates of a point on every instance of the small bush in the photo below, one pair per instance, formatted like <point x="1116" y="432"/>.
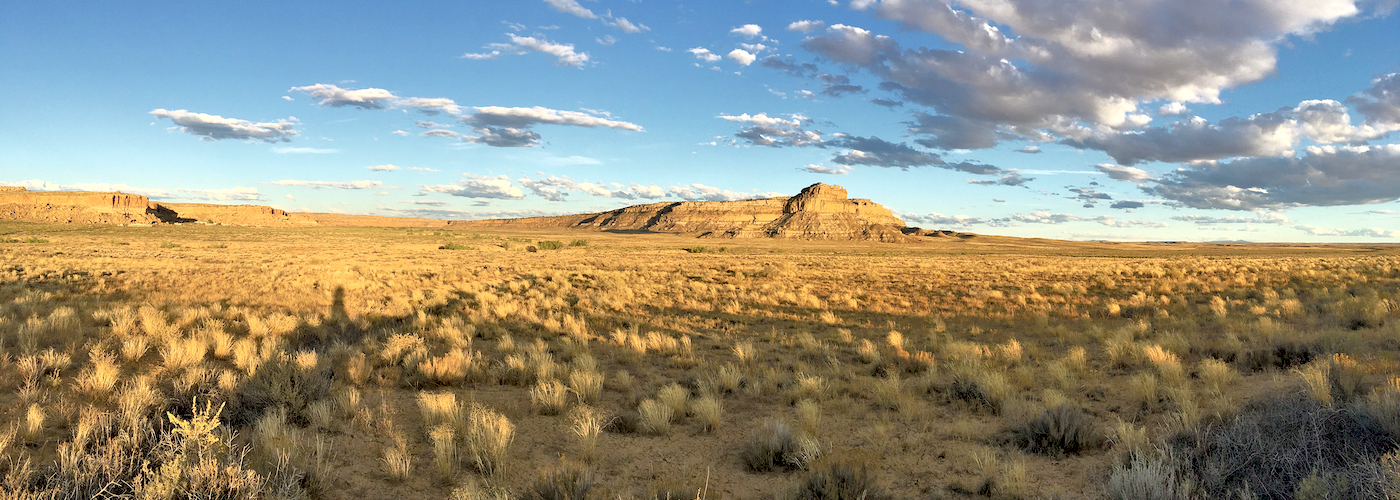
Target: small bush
<point x="567" y="482"/>
<point x="279" y="382"/>
<point x="1057" y="432"/>
<point x="167" y="244"/>
<point x="841" y="481"/>
<point x="454" y="246"/>
<point x="697" y="249"/>
<point x="550" y="245"/>
<point x="33" y="239"/>
<point x="773" y="447"/>
<point x="1149" y="478"/>
<point x="578" y="243"/>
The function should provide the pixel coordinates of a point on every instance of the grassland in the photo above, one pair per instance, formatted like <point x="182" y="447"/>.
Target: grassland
<point x="224" y="362"/>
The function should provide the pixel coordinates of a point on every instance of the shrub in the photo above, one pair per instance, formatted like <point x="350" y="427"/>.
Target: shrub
<point x="167" y="244"/>
<point x="1149" y="478"/>
<point x="279" y="382"/>
<point x="655" y="417"/>
<point x="578" y="243"/>
<point x="1273" y="446"/>
<point x="773" y="447"/>
<point x="550" y="245"/>
<point x="566" y="482"/>
<point x="1059" y="431"/>
<point x="697" y="249"/>
<point x="454" y="246"/>
<point x="33" y="239"/>
<point x="840" y="481"/>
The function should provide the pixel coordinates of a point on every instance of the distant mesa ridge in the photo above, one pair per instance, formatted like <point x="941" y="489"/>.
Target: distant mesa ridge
<point x="819" y="212"/>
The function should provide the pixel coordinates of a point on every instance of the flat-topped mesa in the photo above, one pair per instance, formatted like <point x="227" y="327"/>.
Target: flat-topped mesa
<point x="819" y="212"/>
<point x="121" y="208"/>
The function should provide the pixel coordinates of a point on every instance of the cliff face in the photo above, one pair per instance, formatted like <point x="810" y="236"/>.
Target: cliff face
<point x="80" y="207"/>
<point x="819" y="212"/>
<point x="121" y="208"/>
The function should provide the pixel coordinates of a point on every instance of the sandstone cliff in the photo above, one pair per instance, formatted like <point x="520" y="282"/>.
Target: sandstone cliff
<point x="120" y="208"/>
<point x="819" y="212"/>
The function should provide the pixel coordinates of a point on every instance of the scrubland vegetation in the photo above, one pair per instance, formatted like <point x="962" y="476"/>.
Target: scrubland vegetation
<point x="222" y="362"/>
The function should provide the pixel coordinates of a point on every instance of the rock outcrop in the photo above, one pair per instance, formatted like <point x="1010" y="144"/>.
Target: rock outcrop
<point x="819" y="212"/>
<point x="80" y="207"/>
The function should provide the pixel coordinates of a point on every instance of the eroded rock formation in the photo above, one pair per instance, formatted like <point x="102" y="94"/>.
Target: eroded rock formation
<point x="819" y="212"/>
<point x="121" y="208"/>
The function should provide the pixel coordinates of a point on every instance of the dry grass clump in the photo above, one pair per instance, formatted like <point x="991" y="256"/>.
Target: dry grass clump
<point x="774" y="447"/>
<point x="655" y="417"/>
<point x="585" y="423"/>
<point x="488" y="434"/>
<point x="586" y="384"/>
<point x="549" y="396"/>
<point x="708" y="409"/>
<point x="1061" y="430"/>
<point x="841" y="480"/>
<point x="565" y="482"/>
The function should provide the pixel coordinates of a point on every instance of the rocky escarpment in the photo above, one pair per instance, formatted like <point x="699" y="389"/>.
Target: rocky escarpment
<point x="80" y="207"/>
<point x="819" y="212"/>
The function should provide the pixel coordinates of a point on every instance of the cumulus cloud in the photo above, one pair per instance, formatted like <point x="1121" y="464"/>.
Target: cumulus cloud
<point x="1125" y="174"/>
<point x="213" y="127"/>
<point x="502" y="137"/>
<point x="838" y="85"/>
<point x="564" y="53"/>
<point x="786" y="65"/>
<point x="1127" y="204"/>
<point x="374" y="98"/>
<point x="878" y="152"/>
<point x="742" y="56"/>
<point x="704" y="54"/>
<point x="1380" y="104"/>
<point x="805" y="26"/>
<point x="571" y="7"/>
<point x="648" y="191"/>
<point x="1074" y="67"/>
<point x="886" y="103"/>
<point x="1324" y="176"/>
<point x="818" y="169"/>
<point x="478" y="187"/>
<point x="329" y="184"/>
<point x="747" y="30"/>
<point x="383" y="168"/>
<point x="763" y="130"/>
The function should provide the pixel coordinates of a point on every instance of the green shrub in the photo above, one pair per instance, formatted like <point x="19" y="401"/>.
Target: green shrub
<point x="454" y="246"/>
<point x="550" y="245"/>
<point x="35" y="239"/>
<point x="697" y="249"/>
<point x="578" y="243"/>
<point x="167" y="244"/>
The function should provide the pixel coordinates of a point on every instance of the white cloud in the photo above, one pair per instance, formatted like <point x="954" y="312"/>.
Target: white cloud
<point x="564" y="53"/>
<point x="399" y="132"/>
<point x="329" y="184"/>
<point x="627" y="26"/>
<point x="475" y="186"/>
<point x="422" y="169"/>
<point x="383" y="168"/>
<point x="481" y="56"/>
<point x="648" y="191"/>
<point x="747" y="30"/>
<point x="805" y="26"/>
<point x="606" y="40"/>
<point x="214" y="127"/>
<point x="1121" y="173"/>
<point x="1371" y="232"/>
<point x="704" y="54"/>
<point x="334" y="96"/>
<point x="742" y="56"/>
<point x="498" y="116"/>
<point x="304" y="151"/>
<point x="818" y="169"/>
<point x="701" y="192"/>
<point x="571" y="7"/>
<point x="238" y="193"/>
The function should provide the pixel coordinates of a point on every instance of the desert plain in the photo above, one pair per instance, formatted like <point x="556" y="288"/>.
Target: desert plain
<point x="220" y="361"/>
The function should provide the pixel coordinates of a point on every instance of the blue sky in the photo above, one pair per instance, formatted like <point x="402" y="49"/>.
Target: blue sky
<point x="1259" y="120"/>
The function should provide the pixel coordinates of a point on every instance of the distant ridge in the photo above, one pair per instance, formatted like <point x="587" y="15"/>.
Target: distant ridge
<point x="819" y="212"/>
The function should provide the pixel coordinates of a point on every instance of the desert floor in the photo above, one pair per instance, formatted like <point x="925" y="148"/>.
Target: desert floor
<point x="416" y="363"/>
